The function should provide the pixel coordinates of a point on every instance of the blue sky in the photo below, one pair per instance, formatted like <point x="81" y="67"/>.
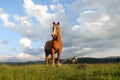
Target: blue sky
<point x="89" y="28"/>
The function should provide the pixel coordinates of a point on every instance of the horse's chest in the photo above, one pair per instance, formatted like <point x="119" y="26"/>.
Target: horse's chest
<point x="56" y="46"/>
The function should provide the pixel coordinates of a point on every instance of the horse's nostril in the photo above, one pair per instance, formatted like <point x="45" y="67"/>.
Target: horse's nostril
<point x="54" y="36"/>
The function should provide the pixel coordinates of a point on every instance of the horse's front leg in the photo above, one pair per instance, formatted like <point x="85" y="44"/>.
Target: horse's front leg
<point x="58" y="58"/>
<point x="53" y="59"/>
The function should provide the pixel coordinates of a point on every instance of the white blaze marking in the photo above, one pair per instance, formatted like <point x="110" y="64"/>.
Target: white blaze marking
<point x="54" y="31"/>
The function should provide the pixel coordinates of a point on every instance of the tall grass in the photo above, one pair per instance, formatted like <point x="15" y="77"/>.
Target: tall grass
<point x="64" y="72"/>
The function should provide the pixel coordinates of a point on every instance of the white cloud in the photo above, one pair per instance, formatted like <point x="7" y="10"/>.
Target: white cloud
<point x="22" y="20"/>
<point x="106" y="53"/>
<point x="57" y="7"/>
<point x="88" y="12"/>
<point x="52" y="7"/>
<point x="25" y="27"/>
<point x="87" y="49"/>
<point x="23" y="24"/>
<point x="40" y="12"/>
<point x="4" y="57"/>
<point x="4" y="17"/>
<point x="23" y="56"/>
<point x="105" y="18"/>
<point x="28" y="49"/>
<point x="76" y="27"/>
<point x="25" y="42"/>
<point x="27" y="57"/>
<point x="96" y="28"/>
<point x="20" y="57"/>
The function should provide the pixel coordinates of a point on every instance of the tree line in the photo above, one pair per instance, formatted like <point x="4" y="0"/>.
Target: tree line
<point x="79" y="61"/>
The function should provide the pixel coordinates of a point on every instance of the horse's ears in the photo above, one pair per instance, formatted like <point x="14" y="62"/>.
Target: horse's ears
<point x="58" y="23"/>
<point x="53" y="23"/>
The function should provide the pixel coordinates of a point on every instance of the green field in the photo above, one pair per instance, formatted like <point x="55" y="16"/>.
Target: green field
<point x="63" y="72"/>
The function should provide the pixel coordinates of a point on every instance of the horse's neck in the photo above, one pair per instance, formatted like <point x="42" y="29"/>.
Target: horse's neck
<point x="59" y="38"/>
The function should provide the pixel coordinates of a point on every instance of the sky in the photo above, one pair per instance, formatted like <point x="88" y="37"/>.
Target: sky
<point x="89" y="28"/>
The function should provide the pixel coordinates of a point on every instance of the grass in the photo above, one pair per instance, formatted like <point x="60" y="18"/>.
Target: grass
<point x="64" y="72"/>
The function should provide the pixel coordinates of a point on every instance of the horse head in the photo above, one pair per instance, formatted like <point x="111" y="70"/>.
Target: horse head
<point x="55" y="30"/>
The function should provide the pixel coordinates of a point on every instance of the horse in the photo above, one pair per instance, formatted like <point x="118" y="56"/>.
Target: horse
<point x="72" y="60"/>
<point x="55" y="45"/>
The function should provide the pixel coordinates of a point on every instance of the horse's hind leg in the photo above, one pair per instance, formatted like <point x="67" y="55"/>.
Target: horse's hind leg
<point x="46" y="58"/>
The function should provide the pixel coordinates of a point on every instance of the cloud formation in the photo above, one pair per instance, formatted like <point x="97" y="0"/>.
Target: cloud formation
<point x="92" y="28"/>
<point x="96" y="27"/>
<point x="28" y="51"/>
<point x="25" y="42"/>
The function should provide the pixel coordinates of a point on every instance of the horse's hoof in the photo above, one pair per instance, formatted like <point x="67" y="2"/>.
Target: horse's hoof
<point x="53" y="64"/>
<point x="59" y="64"/>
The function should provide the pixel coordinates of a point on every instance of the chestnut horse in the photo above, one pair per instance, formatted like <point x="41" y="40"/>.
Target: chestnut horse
<point x="55" y="45"/>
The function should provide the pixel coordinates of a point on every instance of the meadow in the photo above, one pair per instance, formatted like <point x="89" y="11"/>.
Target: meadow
<point x="110" y="71"/>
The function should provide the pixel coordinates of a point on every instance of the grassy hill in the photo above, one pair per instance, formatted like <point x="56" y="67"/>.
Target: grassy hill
<point x="109" y="71"/>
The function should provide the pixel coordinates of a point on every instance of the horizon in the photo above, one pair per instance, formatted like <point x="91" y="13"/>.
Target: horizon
<point x="61" y="59"/>
<point x="89" y="28"/>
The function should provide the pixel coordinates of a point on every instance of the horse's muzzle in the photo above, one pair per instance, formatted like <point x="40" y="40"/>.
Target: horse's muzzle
<point x="54" y="36"/>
